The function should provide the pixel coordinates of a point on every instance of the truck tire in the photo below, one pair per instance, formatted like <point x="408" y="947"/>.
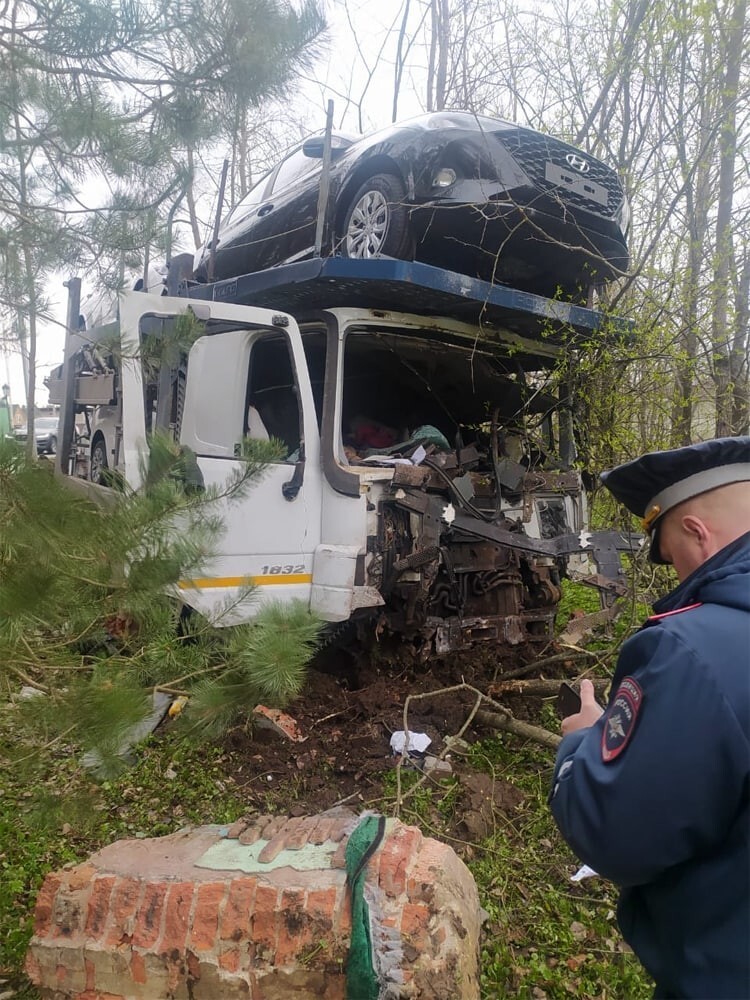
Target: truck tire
<point x="376" y="223"/>
<point x="98" y="465"/>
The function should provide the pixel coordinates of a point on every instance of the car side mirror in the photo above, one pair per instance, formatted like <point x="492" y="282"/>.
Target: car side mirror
<point x="313" y="147"/>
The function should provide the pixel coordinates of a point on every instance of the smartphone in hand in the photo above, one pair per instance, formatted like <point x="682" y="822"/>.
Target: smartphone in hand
<point x="568" y="701"/>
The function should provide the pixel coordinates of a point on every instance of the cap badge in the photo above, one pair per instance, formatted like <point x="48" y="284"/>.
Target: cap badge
<point x="620" y="719"/>
<point x="651" y="515"/>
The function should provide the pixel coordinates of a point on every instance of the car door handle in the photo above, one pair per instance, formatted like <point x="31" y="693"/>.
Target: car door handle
<point x="265" y="209"/>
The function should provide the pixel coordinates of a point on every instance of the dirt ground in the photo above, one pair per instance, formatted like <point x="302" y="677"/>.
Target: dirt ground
<point x="345" y="757"/>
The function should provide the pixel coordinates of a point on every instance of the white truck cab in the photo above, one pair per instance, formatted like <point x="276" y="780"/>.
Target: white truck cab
<point x="420" y="489"/>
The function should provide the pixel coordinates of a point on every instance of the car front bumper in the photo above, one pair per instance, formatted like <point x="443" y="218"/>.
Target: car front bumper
<point x="525" y="240"/>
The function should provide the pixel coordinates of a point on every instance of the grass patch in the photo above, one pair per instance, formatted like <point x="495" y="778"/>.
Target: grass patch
<point x="545" y="936"/>
<point x="52" y="813"/>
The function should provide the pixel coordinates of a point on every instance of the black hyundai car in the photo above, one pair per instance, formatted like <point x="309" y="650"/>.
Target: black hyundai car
<point x="473" y="194"/>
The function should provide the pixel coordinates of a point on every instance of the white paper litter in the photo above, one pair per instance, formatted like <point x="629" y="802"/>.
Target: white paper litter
<point x="417" y="741"/>
<point x="583" y="872"/>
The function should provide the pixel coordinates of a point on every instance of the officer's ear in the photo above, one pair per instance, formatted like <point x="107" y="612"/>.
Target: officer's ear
<point x="697" y="534"/>
<point x="693" y="526"/>
<point x="682" y="537"/>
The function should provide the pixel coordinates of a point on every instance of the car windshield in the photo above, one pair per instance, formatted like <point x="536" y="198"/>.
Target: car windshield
<point x="46" y="423"/>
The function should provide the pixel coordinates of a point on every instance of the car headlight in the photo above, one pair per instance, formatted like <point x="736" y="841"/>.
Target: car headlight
<point x="444" y="178"/>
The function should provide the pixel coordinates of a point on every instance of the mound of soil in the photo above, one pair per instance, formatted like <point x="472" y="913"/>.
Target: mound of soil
<point x="345" y="757"/>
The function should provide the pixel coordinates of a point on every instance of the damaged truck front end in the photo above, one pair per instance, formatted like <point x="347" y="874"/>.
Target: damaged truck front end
<point x="445" y="581"/>
<point x="460" y="447"/>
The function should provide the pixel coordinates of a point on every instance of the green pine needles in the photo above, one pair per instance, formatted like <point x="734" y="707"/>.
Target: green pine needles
<point x="89" y="625"/>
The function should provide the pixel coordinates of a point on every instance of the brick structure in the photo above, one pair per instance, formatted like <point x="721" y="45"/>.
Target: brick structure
<point x="260" y="911"/>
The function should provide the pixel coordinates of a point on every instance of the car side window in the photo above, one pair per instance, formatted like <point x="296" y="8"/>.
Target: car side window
<point x="293" y="167"/>
<point x="253" y="197"/>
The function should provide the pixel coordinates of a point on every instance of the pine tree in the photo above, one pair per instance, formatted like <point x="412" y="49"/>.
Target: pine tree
<point x="87" y="613"/>
<point x="101" y="108"/>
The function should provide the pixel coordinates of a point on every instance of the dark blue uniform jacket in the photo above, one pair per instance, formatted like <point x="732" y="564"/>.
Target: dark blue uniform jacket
<point x="655" y="795"/>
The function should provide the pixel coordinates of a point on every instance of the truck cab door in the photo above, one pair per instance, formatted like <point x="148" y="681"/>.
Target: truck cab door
<point x="246" y="376"/>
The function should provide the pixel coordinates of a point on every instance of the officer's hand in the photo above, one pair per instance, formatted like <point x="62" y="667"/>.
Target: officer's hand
<point x="591" y="710"/>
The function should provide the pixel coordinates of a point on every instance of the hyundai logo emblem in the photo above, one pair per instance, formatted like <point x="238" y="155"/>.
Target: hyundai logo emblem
<point x="576" y="162"/>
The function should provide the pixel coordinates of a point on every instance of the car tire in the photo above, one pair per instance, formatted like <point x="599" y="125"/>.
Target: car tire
<point x="98" y="465"/>
<point x="376" y="223"/>
<point x="52" y="448"/>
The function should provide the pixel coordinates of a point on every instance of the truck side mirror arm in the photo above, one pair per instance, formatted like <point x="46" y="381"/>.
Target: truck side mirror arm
<point x="291" y="488"/>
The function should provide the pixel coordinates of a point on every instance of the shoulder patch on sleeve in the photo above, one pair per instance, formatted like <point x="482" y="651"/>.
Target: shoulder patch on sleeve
<point x="620" y="719"/>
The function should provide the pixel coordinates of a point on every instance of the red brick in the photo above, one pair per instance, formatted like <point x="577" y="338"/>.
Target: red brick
<point x="138" y="968"/>
<point x="414" y="920"/>
<point x="395" y="859"/>
<point x="230" y="960"/>
<point x="236" y="919"/>
<point x="193" y="965"/>
<point x="80" y="877"/>
<point x="205" y="924"/>
<point x="321" y="906"/>
<point x="124" y="903"/>
<point x="295" y="931"/>
<point x="265" y="919"/>
<point x="176" y="918"/>
<point x="148" y="922"/>
<point x="319" y="833"/>
<point x="67" y="916"/>
<point x="45" y="902"/>
<point x="418" y="889"/>
<point x="33" y="969"/>
<point x="338" y="858"/>
<point x="175" y="970"/>
<point x="250" y="835"/>
<point x="96" y="919"/>
<point x="237" y="827"/>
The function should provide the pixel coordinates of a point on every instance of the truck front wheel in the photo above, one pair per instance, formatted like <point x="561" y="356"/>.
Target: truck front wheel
<point x="376" y="223"/>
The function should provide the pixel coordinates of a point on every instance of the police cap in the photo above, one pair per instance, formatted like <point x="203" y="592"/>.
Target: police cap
<point x="655" y="483"/>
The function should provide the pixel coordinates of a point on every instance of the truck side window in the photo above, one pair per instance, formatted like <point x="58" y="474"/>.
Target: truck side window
<point x="272" y="399"/>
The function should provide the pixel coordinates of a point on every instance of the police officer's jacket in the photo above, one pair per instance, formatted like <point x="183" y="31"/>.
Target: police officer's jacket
<point x="655" y="795"/>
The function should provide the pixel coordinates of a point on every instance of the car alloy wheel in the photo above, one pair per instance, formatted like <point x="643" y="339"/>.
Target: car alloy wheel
<point x="52" y="449"/>
<point x="98" y="465"/>
<point x="377" y="221"/>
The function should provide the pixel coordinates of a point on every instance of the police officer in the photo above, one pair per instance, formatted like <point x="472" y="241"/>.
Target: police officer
<point x="653" y="791"/>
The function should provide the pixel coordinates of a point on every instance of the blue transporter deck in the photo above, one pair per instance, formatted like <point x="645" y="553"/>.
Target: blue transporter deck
<point x="411" y="287"/>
